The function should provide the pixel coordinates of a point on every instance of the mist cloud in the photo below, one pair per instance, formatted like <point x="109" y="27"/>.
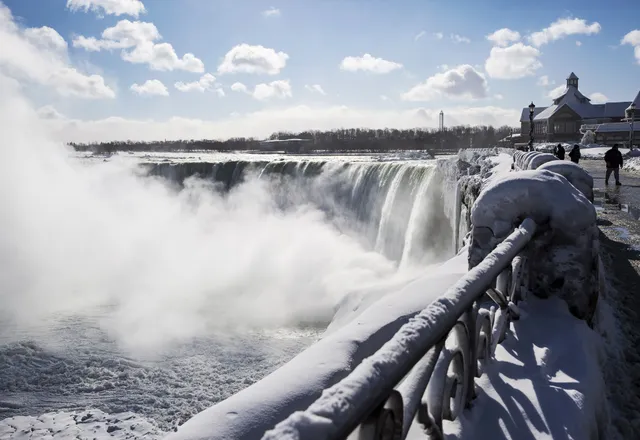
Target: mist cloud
<point x="159" y="265"/>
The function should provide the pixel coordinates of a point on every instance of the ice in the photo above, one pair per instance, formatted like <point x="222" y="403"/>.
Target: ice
<point x="574" y="173"/>
<point x="564" y="260"/>
<point x="545" y="381"/>
<point x="632" y="164"/>
<point x="81" y="425"/>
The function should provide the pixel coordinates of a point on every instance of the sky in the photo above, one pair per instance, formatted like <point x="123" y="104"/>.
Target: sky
<point x="159" y="69"/>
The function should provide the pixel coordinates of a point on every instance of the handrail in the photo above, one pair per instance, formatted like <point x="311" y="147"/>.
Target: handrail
<point x="384" y="393"/>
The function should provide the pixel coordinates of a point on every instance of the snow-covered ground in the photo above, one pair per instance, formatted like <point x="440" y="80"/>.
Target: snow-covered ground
<point x="80" y="425"/>
<point x="632" y="164"/>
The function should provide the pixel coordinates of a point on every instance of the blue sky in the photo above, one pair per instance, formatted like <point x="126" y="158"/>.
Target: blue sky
<point x="424" y="56"/>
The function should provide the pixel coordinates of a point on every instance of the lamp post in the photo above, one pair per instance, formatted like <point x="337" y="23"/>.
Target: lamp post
<point x="532" y="107"/>
<point x="631" y="111"/>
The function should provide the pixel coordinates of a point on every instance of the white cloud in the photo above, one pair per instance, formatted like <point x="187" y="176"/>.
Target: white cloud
<point x="49" y="112"/>
<point x="163" y="57"/>
<point x="206" y="83"/>
<point x="109" y="7"/>
<point x="419" y="35"/>
<point x="598" y="98"/>
<point x="562" y="28"/>
<point x="315" y="88"/>
<point x="137" y="41"/>
<point x="239" y="87"/>
<point x="633" y="39"/>
<point x="369" y="63"/>
<point x="439" y="35"/>
<point x="276" y="89"/>
<point x="578" y="43"/>
<point x="69" y="82"/>
<point x="279" y="89"/>
<point x="38" y="55"/>
<point x="512" y="62"/>
<point x="504" y="37"/>
<point x="263" y="123"/>
<point x="245" y="58"/>
<point x="556" y="92"/>
<point x="460" y="39"/>
<point x="544" y="81"/>
<point x="151" y="87"/>
<point x="462" y="82"/>
<point x="498" y="96"/>
<point x="46" y="37"/>
<point x="384" y="97"/>
<point x="271" y="12"/>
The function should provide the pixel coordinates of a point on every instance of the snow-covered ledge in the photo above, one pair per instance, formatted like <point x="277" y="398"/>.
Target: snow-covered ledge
<point x="564" y="258"/>
<point x="574" y="173"/>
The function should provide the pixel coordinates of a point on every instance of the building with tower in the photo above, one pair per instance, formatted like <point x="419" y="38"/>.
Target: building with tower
<point x="572" y="113"/>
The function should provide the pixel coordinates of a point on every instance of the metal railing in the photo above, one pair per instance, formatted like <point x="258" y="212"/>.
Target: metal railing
<point x="427" y="370"/>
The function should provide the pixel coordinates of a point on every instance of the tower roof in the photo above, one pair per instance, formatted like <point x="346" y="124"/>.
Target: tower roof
<point x="573" y="76"/>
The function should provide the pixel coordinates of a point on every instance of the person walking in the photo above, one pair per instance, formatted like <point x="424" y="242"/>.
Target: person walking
<point x="613" y="160"/>
<point x="575" y="154"/>
<point x="558" y="151"/>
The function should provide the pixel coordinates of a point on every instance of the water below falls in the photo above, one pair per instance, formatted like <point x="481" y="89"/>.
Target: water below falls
<point x="391" y="217"/>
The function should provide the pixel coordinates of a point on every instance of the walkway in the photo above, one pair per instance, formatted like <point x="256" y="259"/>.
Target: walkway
<point x="618" y="211"/>
<point x="626" y="197"/>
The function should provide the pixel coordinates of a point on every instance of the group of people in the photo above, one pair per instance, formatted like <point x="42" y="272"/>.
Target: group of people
<point x="612" y="158"/>
<point x="574" y="154"/>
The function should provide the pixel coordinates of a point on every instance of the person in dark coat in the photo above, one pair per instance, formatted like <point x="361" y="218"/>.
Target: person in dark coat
<point x="575" y="154"/>
<point x="613" y="159"/>
<point x="558" y="151"/>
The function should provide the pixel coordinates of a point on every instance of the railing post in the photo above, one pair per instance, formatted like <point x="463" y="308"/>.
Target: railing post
<point x="470" y="369"/>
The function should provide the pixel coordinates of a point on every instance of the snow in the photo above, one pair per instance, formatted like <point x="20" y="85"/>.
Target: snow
<point x="355" y="334"/>
<point x="545" y="381"/>
<point x="386" y="367"/>
<point x="501" y="165"/>
<point x="539" y="385"/>
<point x="563" y="261"/>
<point x="632" y="164"/>
<point x="542" y="195"/>
<point x="598" y="152"/>
<point x="574" y="173"/>
<point x="82" y="425"/>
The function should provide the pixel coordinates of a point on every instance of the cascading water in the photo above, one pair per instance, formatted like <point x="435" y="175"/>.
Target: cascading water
<point x="397" y="208"/>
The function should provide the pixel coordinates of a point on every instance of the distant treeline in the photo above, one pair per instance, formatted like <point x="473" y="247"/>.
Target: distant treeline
<point x="339" y="140"/>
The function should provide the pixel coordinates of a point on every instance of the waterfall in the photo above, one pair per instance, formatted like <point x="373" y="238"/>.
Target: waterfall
<point x="399" y="209"/>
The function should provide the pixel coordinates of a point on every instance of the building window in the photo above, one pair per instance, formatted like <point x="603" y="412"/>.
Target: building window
<point x="564" y="127"/>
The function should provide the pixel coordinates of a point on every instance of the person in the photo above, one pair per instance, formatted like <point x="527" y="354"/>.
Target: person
<point x="613" y="160"/>
<point x="575" y="154"/>
<point x="558" y="152"/>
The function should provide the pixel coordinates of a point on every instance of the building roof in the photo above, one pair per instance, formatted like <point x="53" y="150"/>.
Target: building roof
<point x="524" y="116"/>
<point x="612" y="127"/>
<point x="580" y="104"/>
<point x="571" y="98"/>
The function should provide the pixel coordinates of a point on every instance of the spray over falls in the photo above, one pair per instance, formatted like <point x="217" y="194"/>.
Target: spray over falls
<point x="402" y="210"/>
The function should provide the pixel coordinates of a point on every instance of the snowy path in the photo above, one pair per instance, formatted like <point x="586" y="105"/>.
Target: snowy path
<point x="627" y="194"/>
<point x="620" y="252"/>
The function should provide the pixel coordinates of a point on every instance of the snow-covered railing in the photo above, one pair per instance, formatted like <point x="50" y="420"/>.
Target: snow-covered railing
<point x="588" y="127"/>
<point x="426" y="372"/>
